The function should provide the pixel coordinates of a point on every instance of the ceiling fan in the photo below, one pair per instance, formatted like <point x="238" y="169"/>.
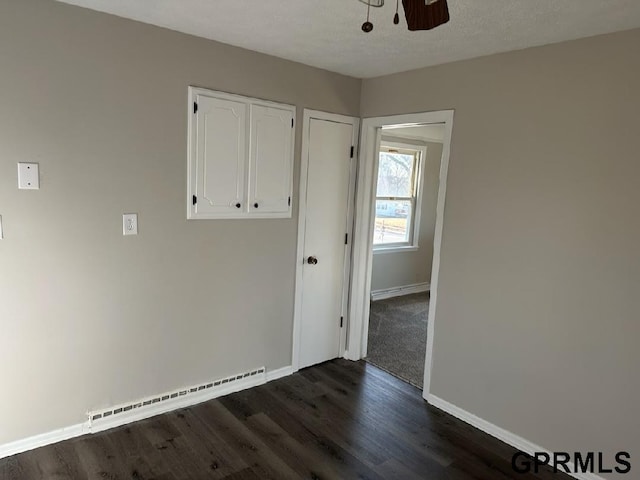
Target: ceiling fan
<point x="420" y="14"/>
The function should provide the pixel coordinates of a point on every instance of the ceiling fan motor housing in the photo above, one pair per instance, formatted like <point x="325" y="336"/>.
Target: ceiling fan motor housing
<point x="425" y="15"/>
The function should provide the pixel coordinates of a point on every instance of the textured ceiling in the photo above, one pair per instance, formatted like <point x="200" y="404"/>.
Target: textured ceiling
<point x="326" y="33"/>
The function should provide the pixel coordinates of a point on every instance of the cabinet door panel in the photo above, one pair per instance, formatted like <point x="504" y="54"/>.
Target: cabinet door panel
<point x="220" y="155"/>
<point x="271" y="160"/>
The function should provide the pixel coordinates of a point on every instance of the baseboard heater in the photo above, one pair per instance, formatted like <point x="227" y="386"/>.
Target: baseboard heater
<point x="148" y="407"/>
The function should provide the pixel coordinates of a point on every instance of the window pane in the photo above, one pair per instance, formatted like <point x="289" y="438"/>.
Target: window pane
<point x="395" y="175"/>
<point x="393" y="222"/>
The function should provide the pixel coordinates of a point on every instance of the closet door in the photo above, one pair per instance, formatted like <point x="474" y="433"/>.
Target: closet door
<point x="271" y="161"/>
<point x="220" y="157"/>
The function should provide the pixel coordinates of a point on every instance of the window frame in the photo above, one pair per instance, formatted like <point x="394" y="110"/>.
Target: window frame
<point x="420" y="153"/>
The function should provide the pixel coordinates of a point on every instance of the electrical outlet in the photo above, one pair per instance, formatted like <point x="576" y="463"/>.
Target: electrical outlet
<point x="130" y="224"/>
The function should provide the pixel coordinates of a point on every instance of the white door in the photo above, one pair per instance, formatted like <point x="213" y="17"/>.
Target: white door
<point x="271" y="160"/>
<point x="323" y="301"/>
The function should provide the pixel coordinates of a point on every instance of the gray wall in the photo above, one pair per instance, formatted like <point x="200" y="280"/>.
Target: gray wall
<point x="90" y="318"/>
<point x="537" y="327"/>
<point x="398" y="269"/>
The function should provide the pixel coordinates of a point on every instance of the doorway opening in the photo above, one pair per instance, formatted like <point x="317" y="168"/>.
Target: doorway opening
<point x="402" y="176"/>
<point x="406" y="195"/>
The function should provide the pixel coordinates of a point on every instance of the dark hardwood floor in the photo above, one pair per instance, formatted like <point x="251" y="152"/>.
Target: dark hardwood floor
<point x="338" y="420"/>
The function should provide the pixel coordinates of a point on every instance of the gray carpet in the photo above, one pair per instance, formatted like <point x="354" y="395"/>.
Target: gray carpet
<point x="398" y="336"/>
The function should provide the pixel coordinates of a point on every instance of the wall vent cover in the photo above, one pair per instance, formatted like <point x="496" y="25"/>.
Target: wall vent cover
<point x="177" y="394"/>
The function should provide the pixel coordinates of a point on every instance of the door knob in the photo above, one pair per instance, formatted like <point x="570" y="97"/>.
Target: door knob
<point x="312" y="261"/>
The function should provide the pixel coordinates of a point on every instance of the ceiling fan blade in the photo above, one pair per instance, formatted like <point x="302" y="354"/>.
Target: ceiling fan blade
<point x="425" y="15"/>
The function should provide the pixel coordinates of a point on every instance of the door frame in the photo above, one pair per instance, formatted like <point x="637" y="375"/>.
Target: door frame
<point x="360" y="293"/>
<point x="302" y="221"/>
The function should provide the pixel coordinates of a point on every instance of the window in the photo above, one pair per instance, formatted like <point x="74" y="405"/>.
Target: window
<point x="397" y="197"/>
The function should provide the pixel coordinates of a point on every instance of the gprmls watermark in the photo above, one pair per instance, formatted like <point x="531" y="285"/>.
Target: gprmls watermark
<point x="576" y="462"/>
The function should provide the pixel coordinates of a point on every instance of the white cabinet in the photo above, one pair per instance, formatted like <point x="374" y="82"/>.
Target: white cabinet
<point x="240" y="156"/>
<point x="270" y="166"/>
<point x="220" y="156"/>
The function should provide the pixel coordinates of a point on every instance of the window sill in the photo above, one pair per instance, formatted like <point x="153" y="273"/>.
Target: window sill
<point x="395" y="249"/>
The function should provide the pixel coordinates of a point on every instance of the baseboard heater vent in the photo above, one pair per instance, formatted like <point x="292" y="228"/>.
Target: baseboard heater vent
<point x="182" y="396"/>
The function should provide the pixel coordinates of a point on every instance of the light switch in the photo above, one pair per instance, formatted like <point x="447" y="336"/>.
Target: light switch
<point x="130" y="224"/>
<point x="28" y="176"/>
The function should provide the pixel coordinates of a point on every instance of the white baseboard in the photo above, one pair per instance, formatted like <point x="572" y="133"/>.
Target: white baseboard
<point x="501" y="434"/>
<point x="121" y="419"/>
<point x="279" y="373"/>
<point x="399" y="291"/>
<point x="37" y="441"/>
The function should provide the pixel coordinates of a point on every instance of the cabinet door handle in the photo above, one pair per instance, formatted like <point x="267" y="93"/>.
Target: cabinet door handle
<point x="255" y="205"/>
<point x="312" y="260"/>
<point x="238" y="205"/>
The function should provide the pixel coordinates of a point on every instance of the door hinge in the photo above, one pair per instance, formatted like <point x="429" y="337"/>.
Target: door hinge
<point x="289" y="202"/>
<point x="346" y="238"/>
<point x="352" y="151"/>
<point x="195" y="107"/>
<point x="194" y="200"/>
<point x="341" y="321"/>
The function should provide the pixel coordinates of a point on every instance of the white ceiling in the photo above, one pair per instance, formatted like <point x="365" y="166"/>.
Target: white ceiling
<point x="327" y="34"/>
